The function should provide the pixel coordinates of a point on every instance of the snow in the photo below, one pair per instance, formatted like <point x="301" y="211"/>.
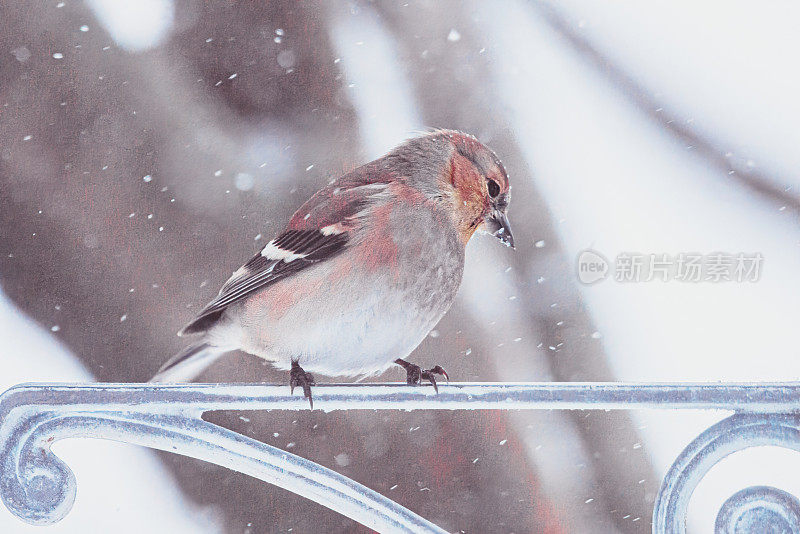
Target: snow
<point x="615" y="179"/>
<point x="244" y="181"/>
<point x="121" y="488"/>
<point x="453" y="36"/>
<point x="22" y="54"/>
<point x="286" y="59"/>
<point x="621" y="183"/>
<point x="724" y="67"/>
<point x="379" y="91"/>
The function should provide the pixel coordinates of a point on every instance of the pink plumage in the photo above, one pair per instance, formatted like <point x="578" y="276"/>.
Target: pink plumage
<point x="364" y="269"/>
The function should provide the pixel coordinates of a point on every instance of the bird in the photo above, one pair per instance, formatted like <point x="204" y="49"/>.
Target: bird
<point x="363" y="271"/>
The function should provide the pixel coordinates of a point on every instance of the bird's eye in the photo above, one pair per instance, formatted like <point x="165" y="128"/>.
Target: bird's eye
<point x="494" y="189"/>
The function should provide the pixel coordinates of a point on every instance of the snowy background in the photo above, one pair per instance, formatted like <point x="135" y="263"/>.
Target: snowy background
<point x="148" y="148"/>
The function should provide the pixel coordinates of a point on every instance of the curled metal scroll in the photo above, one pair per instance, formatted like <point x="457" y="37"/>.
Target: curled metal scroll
<point x="40" y="488"/>
<point x="757" y="509"/>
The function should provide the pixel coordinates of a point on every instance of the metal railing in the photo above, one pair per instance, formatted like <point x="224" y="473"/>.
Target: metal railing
<point x="39" y="488"/>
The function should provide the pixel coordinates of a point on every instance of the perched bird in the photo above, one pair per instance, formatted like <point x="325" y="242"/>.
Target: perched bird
<point x="364" y="270"/>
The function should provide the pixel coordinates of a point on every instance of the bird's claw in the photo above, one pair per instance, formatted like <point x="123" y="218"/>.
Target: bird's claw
<point x="415" y="374"/>
<point x="298" y="377"/>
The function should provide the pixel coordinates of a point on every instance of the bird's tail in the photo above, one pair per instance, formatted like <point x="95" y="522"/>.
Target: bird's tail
<point x="188" y="363"/>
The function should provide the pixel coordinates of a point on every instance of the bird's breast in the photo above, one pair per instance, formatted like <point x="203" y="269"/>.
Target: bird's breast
<point x="348" y="316"/>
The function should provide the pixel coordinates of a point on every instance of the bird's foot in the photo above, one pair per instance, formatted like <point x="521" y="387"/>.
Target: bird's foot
<point x="415" y="374"/>
<point x="298" y="377"/>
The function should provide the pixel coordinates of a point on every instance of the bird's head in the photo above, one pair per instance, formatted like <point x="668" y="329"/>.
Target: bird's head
<point x="476" y="185"/>
<point x="458" y="171"/>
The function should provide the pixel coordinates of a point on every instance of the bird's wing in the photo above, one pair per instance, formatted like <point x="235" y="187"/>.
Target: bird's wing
<point x="321" y="229"/>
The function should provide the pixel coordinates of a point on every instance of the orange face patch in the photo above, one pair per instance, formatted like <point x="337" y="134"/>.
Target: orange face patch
<point x="471" y="202"/>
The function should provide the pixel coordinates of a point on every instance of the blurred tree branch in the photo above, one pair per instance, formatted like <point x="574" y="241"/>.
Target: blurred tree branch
<point x="733" y="168"/>
<point x="461" y="95"/>
<point x="90" y="245"/>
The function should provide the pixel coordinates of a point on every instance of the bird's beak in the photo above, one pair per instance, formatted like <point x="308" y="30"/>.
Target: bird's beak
<point x="497" y="224"/>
